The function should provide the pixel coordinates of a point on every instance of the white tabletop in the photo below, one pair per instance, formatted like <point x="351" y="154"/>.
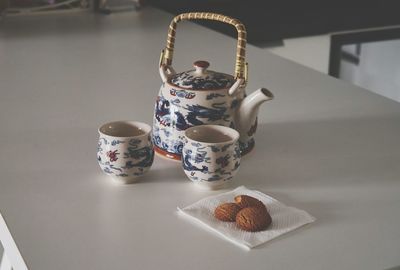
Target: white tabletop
<point x="323" y="145"/>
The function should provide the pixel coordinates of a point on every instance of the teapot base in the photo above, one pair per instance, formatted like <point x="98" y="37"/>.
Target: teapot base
<point x="166" y="154"/>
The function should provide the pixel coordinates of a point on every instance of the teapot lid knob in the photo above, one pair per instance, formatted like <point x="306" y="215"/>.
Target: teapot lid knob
<point x="201" y="66"/>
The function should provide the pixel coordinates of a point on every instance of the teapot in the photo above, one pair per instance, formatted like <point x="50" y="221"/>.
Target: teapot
<point x="202" y="96"/>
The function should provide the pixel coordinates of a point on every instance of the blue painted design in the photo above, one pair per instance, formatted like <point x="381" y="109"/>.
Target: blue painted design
<point x="236" y="154"/>
<point x="215" y="149"/>
<point x="156" y="139"/>
<point x="178" y="148"/>
<point x="128" y="165"/>
<point x="247" y="146"/>
<point x="176" y="102"/>
<point x="99" y="149"/>
<point x="167" y="133"/>
<point x="145" y="155"/>
<point x="223" y="161"/>
<point x="136" y="160"/>
<point x="115" y="142"/>
<point x="235" y="103"/>
<point x="181" y="123"/>
<point x="197" y="112"/>
<point x="115" y="168"/>
<point x="182" y="94"/>
<point x="214" y="178"/>
<point x="226" y="146"/>
<point x="200" y="156"/>
<point x="107" y="170"/>
<point x="187" y="165"/>
<point x="214" y="95"/>
<point x="211" y="81"/>
<point x="164" y="145"/>
<point x="215" y="113"/>
<point x="237" y="164"/>
<point x="162" y="111"/>
<point x="195" y="144"/>
<point x="134" y="143"/>
<point x="224" y="158"/>
<point x="175" y="114"/>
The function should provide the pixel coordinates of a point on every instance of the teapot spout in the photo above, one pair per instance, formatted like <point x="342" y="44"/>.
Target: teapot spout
<point x="246" y="115"/>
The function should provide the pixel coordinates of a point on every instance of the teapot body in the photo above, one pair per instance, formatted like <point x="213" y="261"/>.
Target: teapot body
<point x="201" y="96"/>
<point x="177" y="109"/>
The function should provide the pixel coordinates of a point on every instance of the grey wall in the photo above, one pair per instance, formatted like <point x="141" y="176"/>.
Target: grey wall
<point x="378" y="70"/>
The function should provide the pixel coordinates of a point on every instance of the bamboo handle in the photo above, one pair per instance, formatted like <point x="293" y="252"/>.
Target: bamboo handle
<point x="240" y="65"/>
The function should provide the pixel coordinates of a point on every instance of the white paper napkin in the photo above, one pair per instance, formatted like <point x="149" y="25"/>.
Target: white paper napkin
<point x="284" y="218"/>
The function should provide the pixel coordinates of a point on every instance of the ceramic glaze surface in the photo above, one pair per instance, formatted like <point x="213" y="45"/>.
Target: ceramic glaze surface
<point x="207" y="80"/>
<point x="200" y="96"/>
<point x="210" y="164"/>
<point x="125" y="158"/>
<point x="177" y="109"/>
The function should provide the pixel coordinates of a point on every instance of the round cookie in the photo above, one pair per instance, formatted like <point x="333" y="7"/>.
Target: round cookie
<point x="226" y="211"/>
<point x="247" y="201"/>
<point x="253" y="219"/>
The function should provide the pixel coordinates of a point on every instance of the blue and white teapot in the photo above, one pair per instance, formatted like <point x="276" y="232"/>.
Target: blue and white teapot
<point x="202" y="96"/>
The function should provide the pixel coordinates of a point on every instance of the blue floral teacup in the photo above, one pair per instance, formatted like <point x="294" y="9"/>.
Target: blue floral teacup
<point x="210" y="155"/>
<point x="125" y="150"/>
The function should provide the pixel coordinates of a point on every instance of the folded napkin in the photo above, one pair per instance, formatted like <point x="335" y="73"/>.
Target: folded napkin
<point x="284" y="218"/>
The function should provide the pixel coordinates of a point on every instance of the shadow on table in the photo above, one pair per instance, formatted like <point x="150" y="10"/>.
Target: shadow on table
<point x="171" y="174"/>
<point x="394" y="268"/>
<point x="324" y="156"/>
<point x="328" y="214"/>
<point x="325" y="153"/>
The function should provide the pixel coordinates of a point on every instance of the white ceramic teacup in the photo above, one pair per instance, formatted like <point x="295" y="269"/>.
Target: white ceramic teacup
<point x="125" y="150"/>
<point x="211" y="154"/>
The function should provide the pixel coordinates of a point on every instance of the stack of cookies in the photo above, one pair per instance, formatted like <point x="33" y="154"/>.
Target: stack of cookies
<point x="249" y="213"/>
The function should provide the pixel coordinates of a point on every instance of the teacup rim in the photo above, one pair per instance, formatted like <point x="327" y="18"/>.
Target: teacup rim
<point x="147" y="129"/>
<point x="235" y="135"/>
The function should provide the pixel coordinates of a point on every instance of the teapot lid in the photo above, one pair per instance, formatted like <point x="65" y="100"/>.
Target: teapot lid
<point x="202" y="79"/>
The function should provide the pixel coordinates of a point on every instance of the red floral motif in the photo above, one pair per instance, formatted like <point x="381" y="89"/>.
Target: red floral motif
<point x="182" y="94"/>
<point x="112" y="155"/>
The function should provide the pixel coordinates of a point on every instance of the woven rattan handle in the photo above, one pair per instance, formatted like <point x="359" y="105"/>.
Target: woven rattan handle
<point x="240" y="65"/>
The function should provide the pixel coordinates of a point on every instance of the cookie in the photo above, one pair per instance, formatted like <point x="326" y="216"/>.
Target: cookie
<point x="226" y="212"/>
<point x="253" y="219"/>
<point x="247" y="201"/>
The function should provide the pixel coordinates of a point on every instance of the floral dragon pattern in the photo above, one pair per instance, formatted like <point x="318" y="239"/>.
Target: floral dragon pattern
<point x="213" y="81"/>
<point x="210" y="163"/>
<point x="174" y="114"/>
<point x="136" y="158"/>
